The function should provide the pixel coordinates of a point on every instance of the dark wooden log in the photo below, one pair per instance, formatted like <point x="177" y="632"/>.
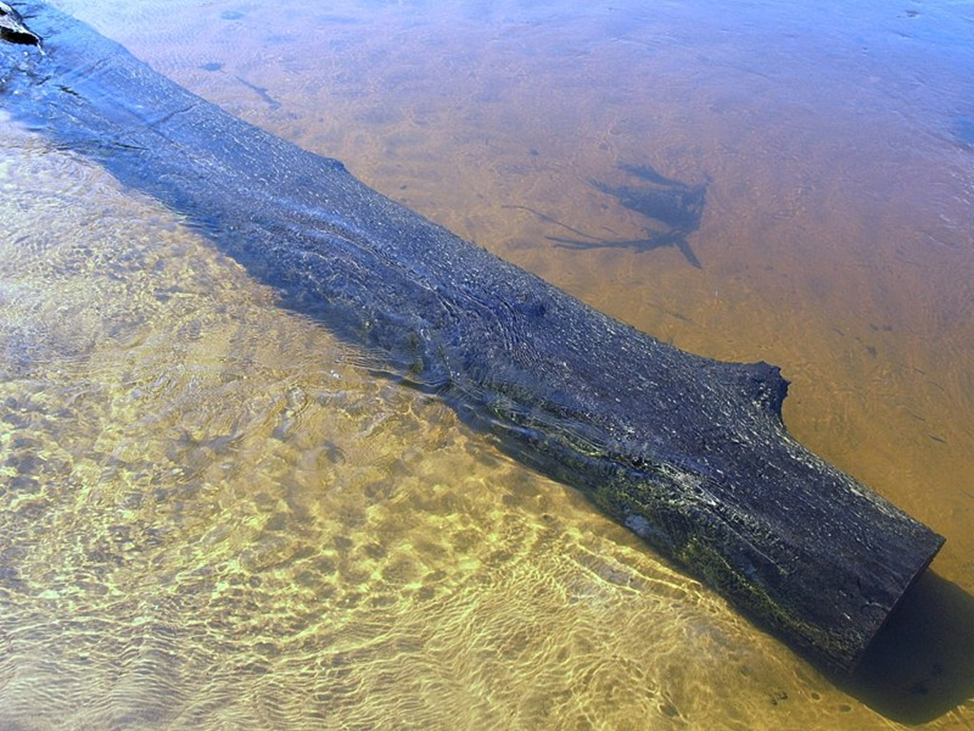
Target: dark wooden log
<point x="689" y="453"/>
<point x="13" y="29"/>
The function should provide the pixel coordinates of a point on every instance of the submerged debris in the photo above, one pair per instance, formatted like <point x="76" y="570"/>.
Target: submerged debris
<point x="673" y="209"/>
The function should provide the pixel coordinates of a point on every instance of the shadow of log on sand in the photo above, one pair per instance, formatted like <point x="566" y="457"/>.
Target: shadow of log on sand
<point x="921" y="665"/>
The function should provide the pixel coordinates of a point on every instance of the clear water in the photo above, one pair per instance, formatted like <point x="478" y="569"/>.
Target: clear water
<point x="211" y="518"/>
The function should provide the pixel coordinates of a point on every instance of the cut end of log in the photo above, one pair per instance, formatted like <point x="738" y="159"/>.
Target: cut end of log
<point x="937" y="542"/>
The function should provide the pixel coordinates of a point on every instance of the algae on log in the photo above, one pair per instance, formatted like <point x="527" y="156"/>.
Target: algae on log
<point x="689" y="453"/>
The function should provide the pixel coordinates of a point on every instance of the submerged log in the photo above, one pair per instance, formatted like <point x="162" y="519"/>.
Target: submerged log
<point x="688" y="452"/>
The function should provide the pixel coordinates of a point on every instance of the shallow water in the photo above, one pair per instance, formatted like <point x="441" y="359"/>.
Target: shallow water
<point x="213" y="518"/>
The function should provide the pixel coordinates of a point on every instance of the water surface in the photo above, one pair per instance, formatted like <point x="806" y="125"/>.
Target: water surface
<point x="213" y="517"/>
